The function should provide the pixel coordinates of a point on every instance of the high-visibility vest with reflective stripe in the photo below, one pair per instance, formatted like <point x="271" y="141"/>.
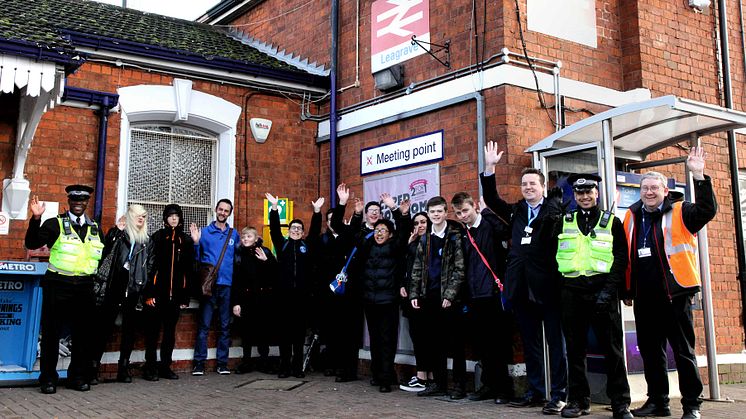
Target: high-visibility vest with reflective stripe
<point x="680" y="246"/>
<point x="71" y="256"/>
<point x="585" y="255"/>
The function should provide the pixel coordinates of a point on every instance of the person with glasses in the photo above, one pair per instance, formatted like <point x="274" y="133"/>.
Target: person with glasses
<point x="132" y="262"/>
<point x="663" y="280"/>
<point x="592" y="258"/>
<point x="377" y="268"/>
<point x="295" y="261"/>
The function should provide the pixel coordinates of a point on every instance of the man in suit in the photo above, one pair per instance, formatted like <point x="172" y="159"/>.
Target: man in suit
<point x="531" y="279"/>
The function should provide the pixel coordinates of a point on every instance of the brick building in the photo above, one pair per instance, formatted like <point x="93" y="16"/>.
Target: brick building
<point x="588" y="56"/>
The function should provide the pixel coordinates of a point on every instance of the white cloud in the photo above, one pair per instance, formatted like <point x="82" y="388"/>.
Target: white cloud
<point x="182" y="9"/>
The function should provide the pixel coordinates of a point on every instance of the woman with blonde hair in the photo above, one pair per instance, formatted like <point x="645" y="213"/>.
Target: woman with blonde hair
<point x="131" y="261"/>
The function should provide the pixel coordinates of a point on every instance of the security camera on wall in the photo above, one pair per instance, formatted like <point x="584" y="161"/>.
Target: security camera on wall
<point x="699" y="5"/>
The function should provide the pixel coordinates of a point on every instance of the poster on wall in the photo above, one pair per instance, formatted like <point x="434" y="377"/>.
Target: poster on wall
<point x="393" y="22"/>
<point x="418" y="185"/>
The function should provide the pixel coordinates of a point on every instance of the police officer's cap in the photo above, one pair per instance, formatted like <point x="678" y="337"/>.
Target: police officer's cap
<point x="78" y="192"/>
<point x="583" y="181"/>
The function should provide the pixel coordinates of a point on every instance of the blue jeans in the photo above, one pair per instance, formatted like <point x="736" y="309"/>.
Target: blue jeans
<point x="220" y="301"/>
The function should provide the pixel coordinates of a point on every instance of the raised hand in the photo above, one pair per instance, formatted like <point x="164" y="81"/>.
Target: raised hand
<point x="37" y="208"/>
<point x="491" y="157"/>
<point x="388" y="200"/>
<point x="273" y="200"/>
<point x="317" y="204"/>
<point x="413" y="236"/>
<point x="195" y="232"/>
<point x="696" y="162"/>
<point x="122" y="223"/>
<point x="260" y="254"/>
<point x="343" y="192"/>
<point x="359" y="205"/>
<point x="404" y="206"/>
<point x="482" y="204"/>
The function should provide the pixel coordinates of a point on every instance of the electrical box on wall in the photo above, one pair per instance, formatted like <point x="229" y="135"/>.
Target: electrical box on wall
<point x="260" y="129"/>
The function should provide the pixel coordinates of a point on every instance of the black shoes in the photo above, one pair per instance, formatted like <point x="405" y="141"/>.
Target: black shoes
<point x="651" y="408"/>
<point x="48" y="388"/>
<point x="457" y="393"/>
<point x="345" y="378"/>
<point x="167" y="373"/>
<point x="149" y="372"/>
<point x="283" y="374"/>
<point x="691" y="414"/>
<point x="553" y="407"/>
<point x="622" y="413"/>
<point x="244" y="368"/>
<point x="374" y="382"/>
<point x="502" y="400"/>
<point x="528" y="401"/>
<point x="299" y="374"/>
<point x="78" y="386"/>
<point x="575" y="410"/>
<point x="385" y="388"/>
<point x="432" y="390"/>
<point x="123" y="372"/>
<point x="484" y="393"/>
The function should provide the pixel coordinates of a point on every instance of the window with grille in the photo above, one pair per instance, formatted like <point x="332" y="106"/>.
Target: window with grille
<point x="172" y="165"/>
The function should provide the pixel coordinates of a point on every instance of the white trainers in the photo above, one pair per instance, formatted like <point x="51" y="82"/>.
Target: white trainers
<point x="414" y="385"/>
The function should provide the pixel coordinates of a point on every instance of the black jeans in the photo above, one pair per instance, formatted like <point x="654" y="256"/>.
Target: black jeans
<point x="345" y="335"/>
<point x="106" y="315"/>
<point x="383" y="328"/>
<point x="442" y="332"/>
<point x="66" y="304"/>
<point x="578" y="315"/>
<point x="491" y="330"/>
<point x="658" y="321"/>
<point x="165" y="314"/>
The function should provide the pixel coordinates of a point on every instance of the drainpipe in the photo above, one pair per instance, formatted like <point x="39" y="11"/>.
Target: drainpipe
<point x="103" y="124"/>
<point x="480" y="134"/>
<point x="333" y="107"/>
<point x="733" y="155"/>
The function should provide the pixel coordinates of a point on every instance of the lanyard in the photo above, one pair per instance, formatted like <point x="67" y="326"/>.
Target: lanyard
<point x="646" y="230"/>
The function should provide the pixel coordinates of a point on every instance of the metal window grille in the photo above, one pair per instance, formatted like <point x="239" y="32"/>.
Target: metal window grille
<point x="172" y="165"/>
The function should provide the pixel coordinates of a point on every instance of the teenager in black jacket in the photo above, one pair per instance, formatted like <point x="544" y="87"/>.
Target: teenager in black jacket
<point x="167" y="291"/>
<point x="253" y="299"/>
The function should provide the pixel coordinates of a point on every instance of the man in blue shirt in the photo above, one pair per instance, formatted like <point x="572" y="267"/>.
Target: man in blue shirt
<point x="208" y="245"/>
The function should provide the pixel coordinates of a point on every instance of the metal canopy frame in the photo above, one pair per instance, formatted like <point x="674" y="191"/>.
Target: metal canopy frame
<point x="633" y="132"/>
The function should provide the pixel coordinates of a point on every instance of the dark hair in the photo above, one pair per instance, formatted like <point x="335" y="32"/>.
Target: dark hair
<point x="171" y="209"/>
<point x="372" y="204"/>
<point x="422" y="213"/>
<point x="532" y="171"/>
<point x="387" y="223"/>
<point x="227" y="201"/>
<point x="436" y="200"/>
<point x="296" y="221"/>
<point x="462" y="198"/>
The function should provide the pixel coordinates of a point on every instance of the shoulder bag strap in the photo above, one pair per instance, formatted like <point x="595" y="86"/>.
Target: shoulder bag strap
<point x="225" y="246"/>
<point x="484" y="260"/>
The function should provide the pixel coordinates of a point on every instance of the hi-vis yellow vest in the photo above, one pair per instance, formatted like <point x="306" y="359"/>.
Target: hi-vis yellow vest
<point x="581" y="255"/>
<point x="72" y="256"/>
<point x="679" y="243"/>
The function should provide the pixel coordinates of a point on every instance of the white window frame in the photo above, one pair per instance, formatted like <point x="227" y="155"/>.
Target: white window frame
<point x="179" y="105"/>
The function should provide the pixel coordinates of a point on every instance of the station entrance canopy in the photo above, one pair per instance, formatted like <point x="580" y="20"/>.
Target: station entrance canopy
<point x="629" y="134"/>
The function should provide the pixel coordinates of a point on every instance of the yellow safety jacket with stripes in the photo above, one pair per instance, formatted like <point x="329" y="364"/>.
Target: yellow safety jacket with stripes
<point x="71" y="256"/>
<point x="585" y="255"/>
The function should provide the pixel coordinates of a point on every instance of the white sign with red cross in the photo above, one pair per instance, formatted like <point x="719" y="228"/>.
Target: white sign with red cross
<point x="393" y="22"/>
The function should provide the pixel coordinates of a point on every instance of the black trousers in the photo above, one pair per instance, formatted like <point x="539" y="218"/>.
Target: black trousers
<point x="344" y="335"/>
<point x="66" y="304"/>
<point x="578" y="315"/>
<point x="658" y="321"/>
<point x="106" y="315"/>
<point x="164" y="315"/>
<point x="255" y="328"/>
<point x="443" y="333"/>
<point x="491" y="331"/>
<point x="383" y="329"/>
<point x="292" y="334"/>
<point x="415" y="319"/>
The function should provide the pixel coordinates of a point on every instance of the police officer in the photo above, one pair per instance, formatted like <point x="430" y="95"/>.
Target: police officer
<point x="75" y="245"/>
<point x="592" y="258"/>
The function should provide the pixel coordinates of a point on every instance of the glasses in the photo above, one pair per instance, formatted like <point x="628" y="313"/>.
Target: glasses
<point x="373" y="211"/>
<point x="381" y="230"/>
<point x="296" y="228"/>
<point x="652" y="188"/>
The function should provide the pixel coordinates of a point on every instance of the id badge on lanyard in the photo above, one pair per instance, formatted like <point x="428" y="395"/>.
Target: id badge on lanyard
<point x="527" y="238"/>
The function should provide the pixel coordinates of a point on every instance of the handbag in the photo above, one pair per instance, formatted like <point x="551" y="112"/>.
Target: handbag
<point x="208" y="273"/>
<point x="103" y="273"/>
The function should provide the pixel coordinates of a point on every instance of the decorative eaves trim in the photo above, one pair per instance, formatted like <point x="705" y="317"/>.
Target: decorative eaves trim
<point x="273" y="52"/>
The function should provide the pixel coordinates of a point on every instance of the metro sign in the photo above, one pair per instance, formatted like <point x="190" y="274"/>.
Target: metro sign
<point x="393" y="22"/>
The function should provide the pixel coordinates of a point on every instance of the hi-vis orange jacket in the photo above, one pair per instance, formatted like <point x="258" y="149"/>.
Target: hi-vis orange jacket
<point x="679" y="223"/>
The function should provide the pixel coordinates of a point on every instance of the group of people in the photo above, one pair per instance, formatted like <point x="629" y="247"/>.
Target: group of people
<point x="559" y="272"/>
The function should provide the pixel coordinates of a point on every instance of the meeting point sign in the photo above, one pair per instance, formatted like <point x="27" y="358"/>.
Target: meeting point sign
<point x="393" y="22"/>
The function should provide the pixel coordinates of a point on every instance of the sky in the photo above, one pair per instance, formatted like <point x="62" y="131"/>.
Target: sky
<point x="182" y="9"/>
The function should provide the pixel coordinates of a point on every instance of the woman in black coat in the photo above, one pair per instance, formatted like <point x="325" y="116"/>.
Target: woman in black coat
<point x="167" y="291"/>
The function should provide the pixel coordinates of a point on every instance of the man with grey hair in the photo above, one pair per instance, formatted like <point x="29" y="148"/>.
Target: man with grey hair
<point x="663" y="279"/>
